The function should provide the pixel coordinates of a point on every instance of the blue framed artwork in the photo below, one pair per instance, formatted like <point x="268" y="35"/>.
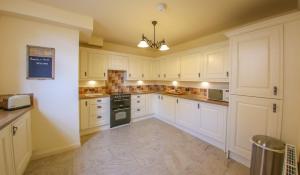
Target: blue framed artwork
<point x="40" y="62"/>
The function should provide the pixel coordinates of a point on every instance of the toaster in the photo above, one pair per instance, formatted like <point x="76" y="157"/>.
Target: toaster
<point x="14" y="102"/>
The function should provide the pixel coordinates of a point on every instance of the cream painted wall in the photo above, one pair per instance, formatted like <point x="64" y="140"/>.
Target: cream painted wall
<point x="55" y="117"/>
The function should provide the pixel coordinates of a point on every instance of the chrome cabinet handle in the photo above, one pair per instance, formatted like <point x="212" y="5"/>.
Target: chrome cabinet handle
<point x="99" y="100"/>
<point x="198" y="106"/>
<point x="99" y="107"/>
<point x="199" y="75"/>
<point x="99" y="117"/>
<point x="138" y="101"/>
<point x="14" y="129"/>
<point x="138" y="109"/>
<point x="274" y="108"/>
<point x="275" y="90"/>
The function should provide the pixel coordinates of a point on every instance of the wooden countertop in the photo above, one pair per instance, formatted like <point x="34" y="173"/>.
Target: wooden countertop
<point x="83" y="96"/>
<point x="6" y="117"/>
<point x="184" y="96"/>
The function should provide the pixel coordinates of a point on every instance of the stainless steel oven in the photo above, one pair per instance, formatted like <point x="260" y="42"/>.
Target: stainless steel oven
<point x="120" y="109"/>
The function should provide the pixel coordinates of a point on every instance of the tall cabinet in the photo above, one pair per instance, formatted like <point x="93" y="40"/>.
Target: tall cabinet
<point x="256" y="88"/>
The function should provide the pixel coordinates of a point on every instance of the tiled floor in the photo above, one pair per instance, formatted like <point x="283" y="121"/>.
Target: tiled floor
<point x="148" y="147"/>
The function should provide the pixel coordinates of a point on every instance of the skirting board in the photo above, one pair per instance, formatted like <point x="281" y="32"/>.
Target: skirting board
<point x="239" y="159"/>
<point x="38" y="155"/>
<point x="105" y="127"/>
<point x="199" y="136"/>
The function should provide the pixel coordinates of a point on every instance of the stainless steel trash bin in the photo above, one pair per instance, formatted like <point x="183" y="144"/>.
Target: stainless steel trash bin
<point x="267" y="155"/>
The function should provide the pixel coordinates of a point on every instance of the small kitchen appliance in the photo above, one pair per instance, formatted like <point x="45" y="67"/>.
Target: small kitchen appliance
<point x="13" y="102"/>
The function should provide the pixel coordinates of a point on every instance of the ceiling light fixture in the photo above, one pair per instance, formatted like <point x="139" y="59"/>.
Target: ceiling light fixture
<point x="160" y="45"/>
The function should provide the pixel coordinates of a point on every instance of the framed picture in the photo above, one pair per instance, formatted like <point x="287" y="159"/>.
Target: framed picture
<point x="40" y="63"/>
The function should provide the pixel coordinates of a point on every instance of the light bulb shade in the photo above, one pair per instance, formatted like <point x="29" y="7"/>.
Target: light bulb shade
<point x="143" y="44"/>
<point x="164" y="47"/>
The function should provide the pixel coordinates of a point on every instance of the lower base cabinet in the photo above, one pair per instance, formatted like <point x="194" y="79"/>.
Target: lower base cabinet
<point x="94" y="113"/>
<point x="15" y="146"/>
<point x="6" y="152"/>
<point x="204" y="120"/>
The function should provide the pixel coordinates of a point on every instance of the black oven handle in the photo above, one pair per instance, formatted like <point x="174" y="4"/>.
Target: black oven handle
<point x="122" y="100"/>
<point x="116" y="110"/>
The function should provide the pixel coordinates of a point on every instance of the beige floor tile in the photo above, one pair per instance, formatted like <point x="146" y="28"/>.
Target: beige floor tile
<point x="148" y="147"/>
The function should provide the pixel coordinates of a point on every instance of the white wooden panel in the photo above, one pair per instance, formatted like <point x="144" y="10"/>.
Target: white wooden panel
<point x="6" y="152"/>
<point x="251" y="116"/>
<point x="257" y="63"/>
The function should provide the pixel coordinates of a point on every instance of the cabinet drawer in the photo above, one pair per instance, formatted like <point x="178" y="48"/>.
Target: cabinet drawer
<point x="138" y="97"/>
<point x="103" y="100"/>
<point x="99" y="120"/>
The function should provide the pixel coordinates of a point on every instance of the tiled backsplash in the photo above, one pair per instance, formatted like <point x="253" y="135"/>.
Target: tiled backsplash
<point x="116" y="83"/>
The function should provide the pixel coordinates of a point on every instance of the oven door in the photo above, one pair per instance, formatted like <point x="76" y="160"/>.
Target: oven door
<point x="122" y="103"/>
<point x="119" y="116"/>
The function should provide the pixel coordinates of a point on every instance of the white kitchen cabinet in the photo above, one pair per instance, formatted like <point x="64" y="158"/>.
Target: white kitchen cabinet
<point x="213" y="121"/>
<point x="97" y="66"/>
<point x="251" y="116"/>
<point x="83" y="64"/>
<point x="6" y="152"/>
<point x="93" y="64"/>
<point x="155" y="70"/>
<point x="257" y="63"/>
<point x="135" y="66"/>
<point x="170" y="68"/>
<point x="188" y="114"/>
<point x="146" y="69"/>
<point x="191" y="67"/>
<point x="94" y="113"/>
<point x="216" y="64"/>
<point x="138" y="105"/>
<point x="21" y="141"/>
<point x="118" y="62"/>
<point x="167" y="108"/>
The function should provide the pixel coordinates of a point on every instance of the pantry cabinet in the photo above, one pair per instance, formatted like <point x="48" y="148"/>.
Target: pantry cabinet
<point x="257" y="63"/>
<point x="251" y="116"/>
<point x="6" y="152"/>
<point x="94" y="113"/>
<point x="191" y="67"/>
<point x="216" y="65"/>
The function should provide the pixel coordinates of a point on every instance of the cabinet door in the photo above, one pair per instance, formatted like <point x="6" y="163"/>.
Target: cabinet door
<point x="155" y="70"/>
<point x="188" y="114"/>
<point x="118" y="62"/>
<point x="172" y="67"/>
<point x="168" y="108"/>
<point x="83" y="64"/>
<point x="6" y="152"/>
<point x="213" y="121"/>
<point x="256" y="62"/>
<point x="84" y="114"/>
<point x="190" y="67"/>
<point x="22" y="143"/>
<point x="216" y="65"/>
<point x="97" y="66"/>
<point x="134" y="68"/>
<point x="163" y="64"/>
<point x="251" y="116"/>
<point x="146" y="71"/>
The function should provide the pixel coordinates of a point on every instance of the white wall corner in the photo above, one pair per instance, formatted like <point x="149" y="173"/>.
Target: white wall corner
<point x="46" y="13"/>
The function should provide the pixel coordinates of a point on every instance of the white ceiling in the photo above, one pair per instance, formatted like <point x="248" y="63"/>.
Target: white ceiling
<point x="124" y="21"/>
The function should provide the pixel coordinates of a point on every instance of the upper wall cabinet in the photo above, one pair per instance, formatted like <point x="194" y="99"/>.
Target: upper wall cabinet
<point x="191" y="67"/>
<point x="155" y="70"/>
<point x="147" y="69"/>
<point x="256" y="63"/>
<point x="135" y="65"/>
<point x="118" y="62"/>
<point x="93" y="64"/>
<point x="216" y="65"/>
<point x="170" y="68"/>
